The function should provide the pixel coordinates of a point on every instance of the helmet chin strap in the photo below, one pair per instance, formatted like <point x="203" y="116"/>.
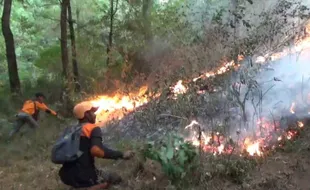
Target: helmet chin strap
<point x="90" y="118"/>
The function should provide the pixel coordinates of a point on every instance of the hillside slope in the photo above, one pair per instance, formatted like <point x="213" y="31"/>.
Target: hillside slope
<point x="288" y="168"/>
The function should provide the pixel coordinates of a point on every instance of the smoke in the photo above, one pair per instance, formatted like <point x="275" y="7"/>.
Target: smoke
<point x="290" y="78"/>
<point x="281" y="90"/>
<point x="199" y="14"/>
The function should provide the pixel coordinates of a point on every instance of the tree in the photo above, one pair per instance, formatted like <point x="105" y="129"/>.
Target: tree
<point x="64" y="56"/>
<point x="10" y="48"/>
<point x="63" y="38"/>
<point x="73" y="51"/>
<point x="146" y="12"/>
<point x="113" y="10"/>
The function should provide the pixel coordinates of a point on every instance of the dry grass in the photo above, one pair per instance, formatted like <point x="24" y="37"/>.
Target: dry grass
<point x="25" y="162"/>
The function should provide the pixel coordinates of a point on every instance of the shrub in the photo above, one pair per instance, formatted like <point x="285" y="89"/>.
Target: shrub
<point x="176" y="156"/>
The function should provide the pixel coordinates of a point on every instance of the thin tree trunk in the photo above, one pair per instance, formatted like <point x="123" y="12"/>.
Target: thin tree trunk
<point x="63" y="34"/>
<point x="113" y="11"/>
<point x="234" y="4"/>
<point x="146" y="13"/>
<point x="73" y="51"/>
<point x="10" y="48"/>
<point x="78" y="22"/>
<point x="67" y="104"/>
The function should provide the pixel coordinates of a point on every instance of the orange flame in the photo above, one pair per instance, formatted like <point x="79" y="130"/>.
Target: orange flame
<point x="300" y="124"/>
<point x="108" y="105"/>
<point x="217" y="144"/>
<point x="253" y="148"/>
<point x="221" y="70"/>
<point x="298" y="47"/>
<point x="179" y="88"/>
<point x="220" y="149"/>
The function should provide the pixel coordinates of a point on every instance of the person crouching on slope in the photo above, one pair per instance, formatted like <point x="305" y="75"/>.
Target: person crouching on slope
<point x="30" y="112"/>
<point x="82" y="172"/>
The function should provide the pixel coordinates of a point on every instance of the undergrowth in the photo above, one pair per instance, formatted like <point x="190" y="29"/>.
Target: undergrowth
<point x="176" y="156"/>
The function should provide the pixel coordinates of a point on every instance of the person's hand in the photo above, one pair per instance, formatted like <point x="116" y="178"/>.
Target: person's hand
<point x="60" y="117"/>
<point x="128" y="154"/>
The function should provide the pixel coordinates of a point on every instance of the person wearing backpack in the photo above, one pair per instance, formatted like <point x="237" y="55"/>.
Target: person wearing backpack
<point x="78" y="166"/>
<point x="30" y="113"/>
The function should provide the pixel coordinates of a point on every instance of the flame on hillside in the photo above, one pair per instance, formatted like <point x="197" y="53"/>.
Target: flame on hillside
<point x="266" y="138"/>
<point x="110" y="104"/>
<point x="215" y="142"/>
<point x="179" y="88"/>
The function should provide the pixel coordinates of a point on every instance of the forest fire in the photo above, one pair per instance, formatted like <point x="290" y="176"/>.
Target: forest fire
<point x="111" y="104"/>
<point x="267" y="135"/>
<point x="223" y="69"/>
<point x="179" y="88"/>
<point x="265" y="139"/>
<point x="253" y="148"/>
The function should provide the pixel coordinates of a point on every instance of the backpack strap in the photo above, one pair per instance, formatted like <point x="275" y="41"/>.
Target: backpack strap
<point x="36" y="111"/>
<point x="35" y="106"/>
<point x="78" y="127"/>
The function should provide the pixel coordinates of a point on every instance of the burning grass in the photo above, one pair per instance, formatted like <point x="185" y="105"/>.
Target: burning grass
<point x="268" y="138"/>
<point x="186" y="103"/>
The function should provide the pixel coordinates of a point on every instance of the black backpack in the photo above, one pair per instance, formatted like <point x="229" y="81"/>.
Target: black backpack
<point x="67" y="147"/>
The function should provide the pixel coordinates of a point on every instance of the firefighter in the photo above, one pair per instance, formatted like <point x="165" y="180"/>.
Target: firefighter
<point x="30" y="112"/>
<point x="82" y="172"/>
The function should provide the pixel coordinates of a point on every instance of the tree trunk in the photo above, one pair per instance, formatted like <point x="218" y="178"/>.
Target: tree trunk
<point x="113" y="10"/>
<point x="67" y="104"/>
<point x="78" y="22"/>
<point x="73" y="51"/>
<point x="10" y="48"/>
<point x="63" y="36"/>
<point x="234" y="5"/>
<point x="146" y="13"/>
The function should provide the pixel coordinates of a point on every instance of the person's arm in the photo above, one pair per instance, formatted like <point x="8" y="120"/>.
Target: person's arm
<point x="43" y="107"/>
<point x="99" y="150"/>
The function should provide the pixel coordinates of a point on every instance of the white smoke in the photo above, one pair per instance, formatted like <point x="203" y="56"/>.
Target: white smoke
<point x="282" y="83"/>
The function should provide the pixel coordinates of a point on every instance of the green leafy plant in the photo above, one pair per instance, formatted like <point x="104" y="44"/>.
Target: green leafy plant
<point x="176" y="156"/>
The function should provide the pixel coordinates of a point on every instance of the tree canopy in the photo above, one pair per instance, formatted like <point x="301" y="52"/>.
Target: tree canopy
<point x="116" y="39"/>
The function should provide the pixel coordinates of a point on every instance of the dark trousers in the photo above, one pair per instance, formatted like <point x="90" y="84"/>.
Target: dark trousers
<point x="80" y="179"/>
<point x="21" y="120"/>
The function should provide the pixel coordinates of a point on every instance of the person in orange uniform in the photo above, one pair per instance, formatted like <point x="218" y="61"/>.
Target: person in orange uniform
<point x="82" y="172"/>
<point x="30" y="112"/>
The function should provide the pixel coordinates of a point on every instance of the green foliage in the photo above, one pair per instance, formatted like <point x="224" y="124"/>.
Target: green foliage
<point x="50" y="58"/>
<point x="35" y="26"/>
<point x="174" y="154"/>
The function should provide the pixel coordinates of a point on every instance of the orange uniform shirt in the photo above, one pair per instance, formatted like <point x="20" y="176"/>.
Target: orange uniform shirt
<point x="29" y="108"/>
